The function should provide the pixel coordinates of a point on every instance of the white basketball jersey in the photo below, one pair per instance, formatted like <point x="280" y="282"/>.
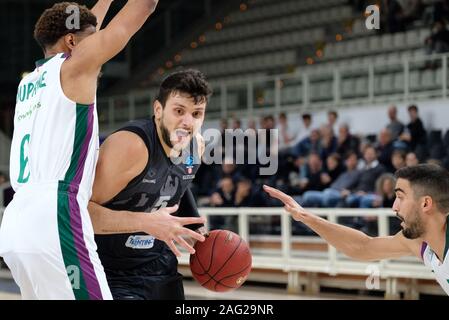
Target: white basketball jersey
<point x="55" y="139"/>
<point x="440" y="269"/>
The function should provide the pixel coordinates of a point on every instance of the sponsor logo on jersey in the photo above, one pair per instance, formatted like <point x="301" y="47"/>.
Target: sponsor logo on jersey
<point x="189" y="164"/>
<point x="140" y="242"/>
<point x="153" y="181"/>
<point x="188" y="177"/>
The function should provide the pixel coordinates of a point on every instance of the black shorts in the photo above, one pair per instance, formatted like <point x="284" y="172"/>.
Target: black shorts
<point x="167" y="287"/>
<point x="156" y="280"/>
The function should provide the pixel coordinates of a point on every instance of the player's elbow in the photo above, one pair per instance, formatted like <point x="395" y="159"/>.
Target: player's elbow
<point x="151" y="5"/>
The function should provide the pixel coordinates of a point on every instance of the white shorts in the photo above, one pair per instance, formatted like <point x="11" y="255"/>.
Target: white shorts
<point x="47" y="241"/>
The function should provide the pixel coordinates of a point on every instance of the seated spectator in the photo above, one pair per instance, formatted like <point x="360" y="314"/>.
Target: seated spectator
<point x="224" y="195"/>
<point x="287" y="134"/>
<point x="346" y="142"/>
<point x="332" y="117"/>
<point x="415" y="134"/>
<point x="312" y="175"/>
<point x="243" y="195"/>
<point x="386" y="196"/>
<point x="398" y="160"/>
<point x="411" y="159"/>
<point x="328" y="142"/>
<point x="385" y="149"/>
<point x="305" y="129"/>
<point x="338" y="190"/>
<point x="307" y="145"/>
<point x="333" y="169"/>
<point x="395" y="126"/>
<point x="370" y="172"/>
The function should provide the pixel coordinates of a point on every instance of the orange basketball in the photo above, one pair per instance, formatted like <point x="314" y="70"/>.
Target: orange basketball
<point x="222" y="262"/>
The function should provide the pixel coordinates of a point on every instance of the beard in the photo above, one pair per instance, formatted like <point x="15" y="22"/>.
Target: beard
<point x="167" y="138"/>
<point x="166" y="134"/>
<point x="415" y="229"/>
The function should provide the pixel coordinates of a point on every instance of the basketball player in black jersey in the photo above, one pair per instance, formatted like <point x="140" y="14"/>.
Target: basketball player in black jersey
<point x="141" y="197"/>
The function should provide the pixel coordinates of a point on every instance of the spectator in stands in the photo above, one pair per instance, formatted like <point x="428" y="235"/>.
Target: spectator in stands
<point x="287" y="134"/>
<point x="371" y="169"/>
<point x="224" y="195"/>
<point x="415" y="135"/>
<point x="328" y="142"/>
<point x="338" y="190"/>
<point x="346" y="142"/>
<point x="395" y="126"/>
<point x="236" y="123"/>
<point x="386" y="196"/>
<point x="229" y="169"/>
<point x="333" y="168"/>
<point x="311" y="176"/>
<point x="307" y="145"/>
<point x="385" y="189"/>
<point x="243" y="196"/>
<point x="438" y="40"/>
<point x="252" y="124"/>
<point x="306" y="129"/>
<point x="332" y="117"/>
<point x="398" y="160"/>
<point x="385" y="149"/>
<point x="411" y="159"/>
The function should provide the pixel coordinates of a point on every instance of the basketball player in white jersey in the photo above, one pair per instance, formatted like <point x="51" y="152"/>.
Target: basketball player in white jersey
<point x="46" y="237"/>
<point x="422" y="204"/>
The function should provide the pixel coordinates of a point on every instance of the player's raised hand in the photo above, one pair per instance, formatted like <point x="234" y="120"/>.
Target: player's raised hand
<point x="290" y="205"/>
<point x="170" y="229"/>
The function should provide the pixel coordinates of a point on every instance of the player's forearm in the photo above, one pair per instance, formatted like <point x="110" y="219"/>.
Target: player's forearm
<point x="347" y="240"/>
<point x="107" y="221"/>
<point x="100" y="10"/>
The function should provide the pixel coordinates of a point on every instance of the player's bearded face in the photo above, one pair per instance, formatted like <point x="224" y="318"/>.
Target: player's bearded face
<point x="175" y="138"/>
<point x="412" y="227"/>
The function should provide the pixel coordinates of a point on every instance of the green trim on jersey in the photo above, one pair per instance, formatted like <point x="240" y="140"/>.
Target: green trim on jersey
<point x="446" y="246"/>
<point x="66" y="234"/>
<point x="41" y="62"/>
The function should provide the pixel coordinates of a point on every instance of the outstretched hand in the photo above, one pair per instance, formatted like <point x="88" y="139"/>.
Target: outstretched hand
<point x="290" y="205"/>
<point x="170" y="229"/>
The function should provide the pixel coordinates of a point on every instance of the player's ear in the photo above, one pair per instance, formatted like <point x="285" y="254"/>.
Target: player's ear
<point x="157" y="108"/>
<point x="427" y="204"/>
<point x="70" y="41"/>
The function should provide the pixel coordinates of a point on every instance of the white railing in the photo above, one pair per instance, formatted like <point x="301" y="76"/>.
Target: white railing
<point x="311" y="87"/>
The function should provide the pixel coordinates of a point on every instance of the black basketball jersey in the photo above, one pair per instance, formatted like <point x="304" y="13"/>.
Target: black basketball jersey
<point x="161" y="184"/>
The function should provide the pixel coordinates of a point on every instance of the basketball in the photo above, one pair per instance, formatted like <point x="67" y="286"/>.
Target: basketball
<point x="222" y="262"/>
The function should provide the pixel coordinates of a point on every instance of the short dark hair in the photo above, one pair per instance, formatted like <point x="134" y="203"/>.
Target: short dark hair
<point x="333" y="112"/>
<point x="413" y="107"/>
<point x="428" y="179"/>
<point x="306" y="116"/>
<point x="189" y="81"/>
<point x="51" y="25"/>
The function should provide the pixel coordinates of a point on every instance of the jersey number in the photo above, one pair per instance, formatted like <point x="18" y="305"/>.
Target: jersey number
<point x="24" y="160"/>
